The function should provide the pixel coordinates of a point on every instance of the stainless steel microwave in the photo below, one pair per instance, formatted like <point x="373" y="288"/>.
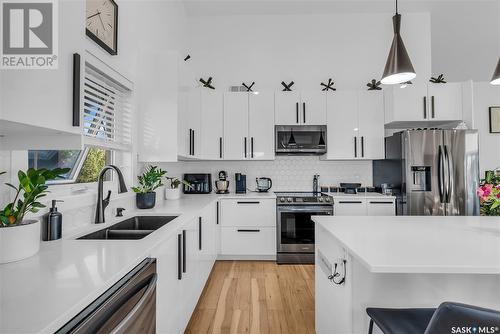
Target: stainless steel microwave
<point x="300" y="139"/>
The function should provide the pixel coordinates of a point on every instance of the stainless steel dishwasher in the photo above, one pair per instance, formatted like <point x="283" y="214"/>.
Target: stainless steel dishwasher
<point x="129" y="306"/>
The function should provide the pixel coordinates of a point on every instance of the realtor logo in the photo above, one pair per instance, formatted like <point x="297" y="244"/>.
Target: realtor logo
<point x="29" y="39"/>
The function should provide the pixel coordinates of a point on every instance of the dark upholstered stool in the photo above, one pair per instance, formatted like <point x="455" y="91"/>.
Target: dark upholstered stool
<point x="431" y="321"/>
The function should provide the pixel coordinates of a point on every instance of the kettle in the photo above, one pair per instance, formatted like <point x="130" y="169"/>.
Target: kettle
<point x="263" y="184"/>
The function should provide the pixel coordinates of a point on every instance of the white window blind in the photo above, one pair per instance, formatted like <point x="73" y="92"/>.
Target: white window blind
<point x="107" y="110"/>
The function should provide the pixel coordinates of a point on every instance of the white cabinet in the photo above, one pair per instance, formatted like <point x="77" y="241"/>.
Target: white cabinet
<point x="300" y="108"/>
<point x="380" y="207"/>
<point x="421" y="103"/>
<point x="248" y="227"/>
<point x="212" y="125"/>
<point x="361" y="206"/>
<point x="248" y="126"/>
<point x="355" y="125"/>
<point x="349" y="207"/>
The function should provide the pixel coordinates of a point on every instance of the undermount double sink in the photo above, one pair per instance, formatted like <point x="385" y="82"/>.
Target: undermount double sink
<point x="130" y="229"/>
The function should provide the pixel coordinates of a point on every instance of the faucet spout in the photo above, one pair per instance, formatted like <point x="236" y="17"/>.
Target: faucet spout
<point x="101" y="202"/>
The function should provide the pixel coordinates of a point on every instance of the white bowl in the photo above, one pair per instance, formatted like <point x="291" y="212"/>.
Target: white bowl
<point x="20" y="241"/>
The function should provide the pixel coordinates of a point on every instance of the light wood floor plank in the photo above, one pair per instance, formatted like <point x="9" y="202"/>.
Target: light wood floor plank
<point x="257" y="297"/>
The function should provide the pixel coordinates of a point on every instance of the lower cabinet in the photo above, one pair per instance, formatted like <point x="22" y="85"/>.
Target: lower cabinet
<point x="248" y="241"/>
<point x="364" y="207"/>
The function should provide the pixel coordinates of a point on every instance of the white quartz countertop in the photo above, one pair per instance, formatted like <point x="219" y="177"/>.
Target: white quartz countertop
<point x="360" y="195"/>
<point x="42" y="293"/>
<point x="411" y="244"/>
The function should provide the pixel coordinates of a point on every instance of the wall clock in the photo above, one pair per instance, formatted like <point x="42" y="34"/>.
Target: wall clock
<point x="101" y="24"/>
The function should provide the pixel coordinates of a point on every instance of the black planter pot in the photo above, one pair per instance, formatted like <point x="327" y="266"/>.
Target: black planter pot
<point x="145" y="201"/>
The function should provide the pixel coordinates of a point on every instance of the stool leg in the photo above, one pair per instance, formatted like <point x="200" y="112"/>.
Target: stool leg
<point x="370" y="329"/>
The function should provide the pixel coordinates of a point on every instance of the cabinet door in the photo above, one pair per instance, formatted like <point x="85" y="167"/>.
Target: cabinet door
<point x="236" y="141"/>
<point x="342" y="116"/>
<point x="207" y="245"/>
<point x="189" y="136"/>
<point x="445" y="101"/>
<point x="261" y="126"/>
<point x="248" y="212"/>
<point x="287" y="108"/>
<point x="313" y="108"/>
<point x="248" y="241"/>
<point x="168" y="259"/>
<point x="212" y="125"/>
<point x="380" y="207"/>
<point x="406" y="104"/>
<point x="349" y="207"/>
<point x="371" y="124"/>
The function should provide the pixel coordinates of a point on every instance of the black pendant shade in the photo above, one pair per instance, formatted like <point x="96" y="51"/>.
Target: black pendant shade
<point x="398" y="68"/>
<point x="495" y="80"/>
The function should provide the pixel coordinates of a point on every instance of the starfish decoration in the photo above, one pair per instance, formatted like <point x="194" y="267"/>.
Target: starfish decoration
<point x="207" y="83"/>
<point x="187" y="58"/>
<point x="328" y="86"/>
<point x="288" y="88"/>
<point x="249" y="88"/>
<point x="439" y="79"/>
<point x="374" y="85"/>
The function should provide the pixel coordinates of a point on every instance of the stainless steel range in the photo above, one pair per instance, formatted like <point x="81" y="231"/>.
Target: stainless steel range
<point x="295" y="230"/>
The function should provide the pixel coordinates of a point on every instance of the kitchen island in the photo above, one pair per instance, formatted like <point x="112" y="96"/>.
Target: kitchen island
<point x="402" y="262"/>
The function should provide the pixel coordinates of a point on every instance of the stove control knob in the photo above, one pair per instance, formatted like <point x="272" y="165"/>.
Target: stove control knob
<point x="289" y="199"/>
<point x="320" y="199"/>
<point x="282" y="199"/>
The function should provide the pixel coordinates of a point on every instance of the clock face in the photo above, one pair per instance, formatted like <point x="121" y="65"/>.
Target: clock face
<point x="101" y="23"/>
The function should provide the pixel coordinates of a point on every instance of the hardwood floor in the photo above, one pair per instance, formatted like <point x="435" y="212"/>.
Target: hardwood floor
<point x="256" y="297"/>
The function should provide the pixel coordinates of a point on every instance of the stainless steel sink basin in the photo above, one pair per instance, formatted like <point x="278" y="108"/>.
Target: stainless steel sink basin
<point x="130" y="229"/>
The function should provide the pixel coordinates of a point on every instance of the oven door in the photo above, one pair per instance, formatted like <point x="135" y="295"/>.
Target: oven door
<point x="296" y="229"/>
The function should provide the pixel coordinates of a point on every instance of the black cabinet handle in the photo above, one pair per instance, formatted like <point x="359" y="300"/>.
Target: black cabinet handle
<point x="433" y="111"/>
<point x="245" y="144"/>
<point x="381" y="202"/>
<point x="248" y="202"/>
<point x="199" y="232"/>
<point x="179" y="256"/>
<point x="76" y="89"/>
<point x="355" y="147"/>
<point x="297" y="111"/>
<point x="425" y="107"/>
<point x="183" y="251"/>
<point x="251" y="147"/>
<point x="193" y="142"/>
<point x="304" y="111"/>
<point x="248" y="230"/>
<point x="363" y="146"/>
<point x="220" y="147"/>
<point x="217" y="212"/>
<point x="190" y="141"/>
<point x="350" y="202"/>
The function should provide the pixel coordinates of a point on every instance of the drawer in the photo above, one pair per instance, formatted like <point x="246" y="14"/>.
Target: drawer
<point x="349" y="207"/>
<point x="381" y="207"/>
<point x="248" y="212"/>
<point x="248" y="241"/>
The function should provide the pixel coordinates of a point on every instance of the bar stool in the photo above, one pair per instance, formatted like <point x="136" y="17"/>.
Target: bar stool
<point x="432" y="321"/>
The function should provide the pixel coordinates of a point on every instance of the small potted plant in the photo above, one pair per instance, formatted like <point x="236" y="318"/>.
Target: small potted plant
<point x="174" y="190"/>
<point x="489" y="194"/>
<point x="20" y="237"/>
<point x="148" y="182"/>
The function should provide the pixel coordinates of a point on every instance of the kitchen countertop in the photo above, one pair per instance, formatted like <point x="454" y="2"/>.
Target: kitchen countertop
<point x="360" y="195"/>
<point x="418" y="244"/>
<point x="43" y="292"/>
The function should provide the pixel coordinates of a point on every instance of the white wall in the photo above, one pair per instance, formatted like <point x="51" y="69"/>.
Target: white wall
<point x="308" y="49"/>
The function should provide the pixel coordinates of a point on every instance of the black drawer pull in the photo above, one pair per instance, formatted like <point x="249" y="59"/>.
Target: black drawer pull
<point x="382" y="202"/>
<point x="183" y="251"/>
<point x="199" y="233"/>
<point x="217" y="209"/>
<point x="350" y="202"/>
<point x="248" y="230"/>
<point x="179" y="256"/>
<point x="254" y="202"/>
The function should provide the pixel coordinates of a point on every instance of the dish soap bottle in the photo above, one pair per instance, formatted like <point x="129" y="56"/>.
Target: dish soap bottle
<point x="53" y="223"/>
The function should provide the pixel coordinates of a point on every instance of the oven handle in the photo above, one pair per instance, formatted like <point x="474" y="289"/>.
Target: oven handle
<point x="306" y="209"/>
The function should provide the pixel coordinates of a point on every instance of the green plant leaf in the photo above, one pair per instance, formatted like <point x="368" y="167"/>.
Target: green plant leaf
<point x="12" y="186"/>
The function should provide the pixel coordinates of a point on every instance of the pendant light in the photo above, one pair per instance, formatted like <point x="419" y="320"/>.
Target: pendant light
<point x="496" y="76"/>
<point x="398" y="68"/>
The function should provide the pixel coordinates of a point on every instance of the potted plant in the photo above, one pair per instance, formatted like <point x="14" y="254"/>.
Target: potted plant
<point x="148" y="182"/>
<point x="489" y="194"/>
<point x="19" y="237"/>
<point x="174" y="191"/>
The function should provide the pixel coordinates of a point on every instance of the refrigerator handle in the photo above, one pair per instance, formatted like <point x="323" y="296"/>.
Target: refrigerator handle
<point x="449" y="166"/>
<point x="440" y="174"/>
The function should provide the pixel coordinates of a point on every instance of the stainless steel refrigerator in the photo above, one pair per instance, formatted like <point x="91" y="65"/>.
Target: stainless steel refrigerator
<point x="432" y="172"/>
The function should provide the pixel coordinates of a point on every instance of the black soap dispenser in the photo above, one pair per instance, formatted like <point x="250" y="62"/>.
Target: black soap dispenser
<point x="53" y="224"/>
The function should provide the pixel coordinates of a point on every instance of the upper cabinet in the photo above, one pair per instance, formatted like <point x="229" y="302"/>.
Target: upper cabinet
<point x="422" y="104"/>
<point x="261" y="126"/>
<point x="212" y="125"/>
<point x="355" y="125"/>
<point x="300" y="108"/>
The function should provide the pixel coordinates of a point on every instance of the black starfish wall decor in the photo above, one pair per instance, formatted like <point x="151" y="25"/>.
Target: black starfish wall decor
<point x="249" y="88"/>
<point x="374" y="85"/>
<point x="328" y="86"/>
<point x="207" y="83"/>
<point x="439" y="79"/>
<point x="288" y="88"/>
<point x="187" y="58"/>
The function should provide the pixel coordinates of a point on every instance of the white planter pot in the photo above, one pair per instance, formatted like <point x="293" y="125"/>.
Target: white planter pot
<point x="172" y="193"/>
<point x="19" y="242"/>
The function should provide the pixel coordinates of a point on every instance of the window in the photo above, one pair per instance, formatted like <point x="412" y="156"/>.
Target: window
<point x="84" y="165"/>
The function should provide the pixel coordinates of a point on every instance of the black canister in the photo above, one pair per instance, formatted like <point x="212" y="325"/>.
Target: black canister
<point x="53" y="224"/>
